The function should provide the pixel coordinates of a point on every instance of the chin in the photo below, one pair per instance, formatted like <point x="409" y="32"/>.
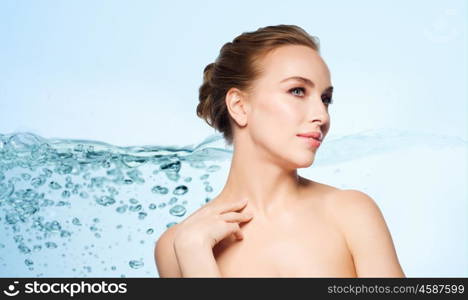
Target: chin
<point x="305" y="162"/>
<point x="306" y="165"/>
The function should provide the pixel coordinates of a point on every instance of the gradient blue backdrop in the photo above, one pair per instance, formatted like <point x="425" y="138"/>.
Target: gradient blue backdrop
<point x="128" y="72"/>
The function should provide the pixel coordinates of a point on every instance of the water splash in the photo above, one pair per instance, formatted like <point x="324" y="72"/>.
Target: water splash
<point x="72" y="204"/>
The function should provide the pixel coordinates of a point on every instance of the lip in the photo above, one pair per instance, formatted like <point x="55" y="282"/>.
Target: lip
<point x="315" y="134"/>
<point x="312" y="142"/>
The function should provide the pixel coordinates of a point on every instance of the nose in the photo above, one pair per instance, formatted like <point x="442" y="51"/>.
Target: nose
<point x="318" y="111"/>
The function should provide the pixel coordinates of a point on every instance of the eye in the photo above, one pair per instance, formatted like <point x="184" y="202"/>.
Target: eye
<point x="297" y="88"/>
<point x="328" y="99"/>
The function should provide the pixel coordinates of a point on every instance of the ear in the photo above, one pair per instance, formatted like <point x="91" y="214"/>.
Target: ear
<point x="237" y="105"/>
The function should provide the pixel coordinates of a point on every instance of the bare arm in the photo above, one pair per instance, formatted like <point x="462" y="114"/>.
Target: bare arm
<point x="164" y="255"/>
<point x="367" y="234"/>
<point x="196" y="259"/>
<point x="184" y="258"/>
<point x="190" y="246"/>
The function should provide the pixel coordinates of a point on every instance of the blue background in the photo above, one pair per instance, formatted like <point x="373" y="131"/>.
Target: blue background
<point x="128" y="73"/>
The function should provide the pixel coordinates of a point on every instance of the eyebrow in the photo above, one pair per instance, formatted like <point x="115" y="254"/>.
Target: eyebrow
<point x="306" y="81"/>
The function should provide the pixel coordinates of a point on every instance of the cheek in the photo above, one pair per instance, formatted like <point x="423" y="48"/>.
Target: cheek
<point x="277" y="116"/>
<point x="284" y="113"/>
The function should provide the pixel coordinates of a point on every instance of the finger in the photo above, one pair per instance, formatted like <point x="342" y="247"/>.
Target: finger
<point x="236" y="217"/>
<point x="235" y="230"/>
<point x="231" y="206"/>
<point x="239" y="235"/>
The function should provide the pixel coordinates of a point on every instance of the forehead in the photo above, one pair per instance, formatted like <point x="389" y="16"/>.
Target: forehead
<point x="294" y="60"/>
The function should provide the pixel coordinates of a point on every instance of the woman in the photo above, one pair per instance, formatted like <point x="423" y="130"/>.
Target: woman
<point x="265" y="92"/>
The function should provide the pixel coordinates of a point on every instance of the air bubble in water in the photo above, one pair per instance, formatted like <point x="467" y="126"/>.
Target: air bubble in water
<point x="28" y="262"/>
<point x="136" y="264"/>
<point x="177" y="210"/>
<point x="159" y="190"/>
<point x="180" y="190"/>
<point x="54" y="185"/>
<point x="76" y="221"/>
<point x="105" y="200"/>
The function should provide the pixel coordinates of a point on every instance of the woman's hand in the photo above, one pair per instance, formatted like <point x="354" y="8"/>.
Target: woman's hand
<point x="212" y="223"/>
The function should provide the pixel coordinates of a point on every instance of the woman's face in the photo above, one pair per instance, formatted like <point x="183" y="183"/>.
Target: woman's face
<point x="280" y="108"/>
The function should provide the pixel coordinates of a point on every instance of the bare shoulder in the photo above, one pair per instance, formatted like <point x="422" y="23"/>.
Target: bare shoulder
<point x="164" y="255"/>
<point x="352" y="209"/>
<point x="368" y="237"/>
<point x="343" y="206"/>
<point x="351" y="202"/>
<point x="318" y="190"/>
